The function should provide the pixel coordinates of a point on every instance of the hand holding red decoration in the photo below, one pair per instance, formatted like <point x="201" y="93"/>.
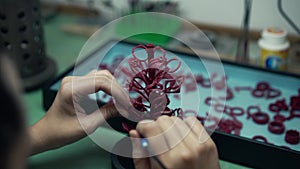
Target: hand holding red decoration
<point x="67" y="121"/>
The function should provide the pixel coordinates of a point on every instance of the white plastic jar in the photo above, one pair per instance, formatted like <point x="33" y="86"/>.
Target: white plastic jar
<point x="274" y="48"/>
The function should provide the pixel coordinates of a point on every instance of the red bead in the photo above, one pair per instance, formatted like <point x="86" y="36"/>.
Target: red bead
<point x="276" y="127"/>
<point x="274" y="108"/>
<point x="257" y="116"/>
<point x="260" y="118"/>
<point x="292" y="136"/>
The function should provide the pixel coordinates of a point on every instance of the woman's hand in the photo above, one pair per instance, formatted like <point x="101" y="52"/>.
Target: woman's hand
<point x="67" y="120"/>
<point x="177" y="143"/>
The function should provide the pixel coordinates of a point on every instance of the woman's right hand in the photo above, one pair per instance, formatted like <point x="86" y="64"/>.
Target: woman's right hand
<point x="178" y="143"/>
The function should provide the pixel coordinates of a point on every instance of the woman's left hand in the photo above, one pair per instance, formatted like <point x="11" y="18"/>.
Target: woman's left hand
<point x="67" y="121"/>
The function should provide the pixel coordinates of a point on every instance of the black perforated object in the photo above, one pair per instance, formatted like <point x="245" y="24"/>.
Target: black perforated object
<point x="22" y="37"/>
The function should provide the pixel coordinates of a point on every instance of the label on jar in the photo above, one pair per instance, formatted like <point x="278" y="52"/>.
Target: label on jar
<point x="274" y="59"/>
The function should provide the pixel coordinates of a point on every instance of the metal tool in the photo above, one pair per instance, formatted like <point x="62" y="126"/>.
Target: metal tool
<point x="146" y="146"/>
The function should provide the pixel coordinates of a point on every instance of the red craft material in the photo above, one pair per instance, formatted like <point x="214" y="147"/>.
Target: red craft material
<point x="221" y="108"/>
<point x="295" y="106"/>
<point x="204" y="82"/>
<point x="278" y="106"/>
<point x="292" y="136"/>
<point x="257" y="115"/>
<point x="229" y="94"/>
<point x="152" y="80"/>
<point x="263" y="89"/>
<point x="276" y="127"/>
<point x="230" y="126"/>
<point x="189" y="84"/>
<point x="260" y="138"/>
<point x="260" y="118"/>
<point x="279" y="117"/>
<point x="211" y="82"/>
<point x="219" y="85"/>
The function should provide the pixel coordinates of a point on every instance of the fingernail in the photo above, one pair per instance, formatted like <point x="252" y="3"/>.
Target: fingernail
<point x="146" y="121"/>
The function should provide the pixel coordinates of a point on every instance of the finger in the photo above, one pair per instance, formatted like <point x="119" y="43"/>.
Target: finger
<point x="138" y="152"/>
<point x="121" y="97"/>
<point x="197" y="128"/>
<point x="179" y="152"/>
<point x="92" y="72"/>
<point x="169" y="131"/>
<point x="89" y="84"/>
<point x="104" y="81"/>
<point x="151" y="130"/>
<point x="185" y="132"/>
<point x="92" y="121"/>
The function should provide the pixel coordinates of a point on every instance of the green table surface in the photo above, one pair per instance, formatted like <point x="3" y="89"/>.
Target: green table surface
<point x="84" y="154"/>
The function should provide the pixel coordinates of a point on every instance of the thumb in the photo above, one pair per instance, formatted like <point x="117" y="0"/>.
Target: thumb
<point x="109" y="111"/>
<point x="92" y="121"/>
<point x="138" y="152"/>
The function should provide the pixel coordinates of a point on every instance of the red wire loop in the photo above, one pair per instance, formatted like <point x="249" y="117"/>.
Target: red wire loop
<point x="263" y="89"/>
<point x="152" y="80"/>
<point x="222" y="108"/>
<point x="257" y="115"/>
<point x="204" y="82"/>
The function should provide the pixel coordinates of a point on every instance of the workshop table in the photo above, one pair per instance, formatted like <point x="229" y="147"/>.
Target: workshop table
<point x="84" y="154"/>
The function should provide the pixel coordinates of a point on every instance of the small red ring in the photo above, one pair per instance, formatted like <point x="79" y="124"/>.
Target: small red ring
<point x="263" y="86"/>
<point x="249" y="110"/>
<point x="279" y="117"/>
<point x="276" y="127"/>
<point x="260" y="118"/>
<point x="258" y="93"/>
<point x="260" y="138"/>
<point x="274" y="108"/>
<point x="292" y="136"/>
<point x="210" y="101"/>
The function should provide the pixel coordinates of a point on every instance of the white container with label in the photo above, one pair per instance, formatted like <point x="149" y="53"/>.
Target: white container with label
<point x="274" y="48"/>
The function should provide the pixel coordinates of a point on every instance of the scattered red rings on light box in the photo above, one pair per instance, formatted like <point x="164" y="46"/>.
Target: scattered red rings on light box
<point x="146" y="81"/>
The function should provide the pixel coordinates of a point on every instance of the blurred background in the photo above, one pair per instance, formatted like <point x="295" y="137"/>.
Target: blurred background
<point x="222" y="21"/>
<point x="234" y="27"/>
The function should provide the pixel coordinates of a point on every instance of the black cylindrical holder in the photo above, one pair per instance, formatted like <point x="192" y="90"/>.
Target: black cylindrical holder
<point x="22" y="38"/>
